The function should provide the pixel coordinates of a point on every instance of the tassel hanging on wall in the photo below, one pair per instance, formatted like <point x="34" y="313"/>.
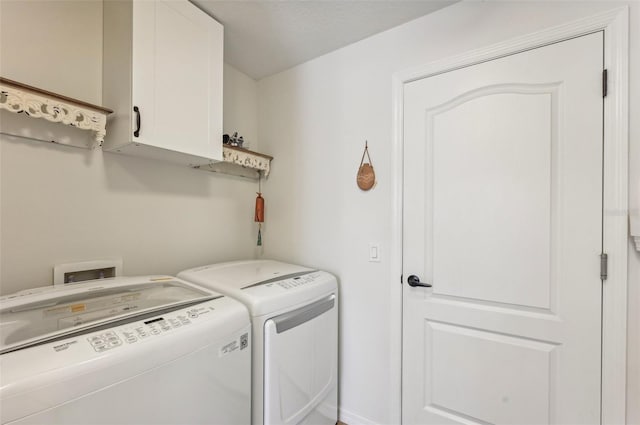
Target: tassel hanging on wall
<point x="259" y="215"/>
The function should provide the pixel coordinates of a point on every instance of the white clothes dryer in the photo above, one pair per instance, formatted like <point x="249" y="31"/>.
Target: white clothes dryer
<point x="294" y="312"/>
<point x="143" y="350"/>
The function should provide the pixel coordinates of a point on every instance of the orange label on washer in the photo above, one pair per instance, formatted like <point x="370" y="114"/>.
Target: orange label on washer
<point x="77" y="308"/>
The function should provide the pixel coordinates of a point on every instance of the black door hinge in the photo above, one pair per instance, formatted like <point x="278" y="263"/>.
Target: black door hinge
<point x="605" y="83"/>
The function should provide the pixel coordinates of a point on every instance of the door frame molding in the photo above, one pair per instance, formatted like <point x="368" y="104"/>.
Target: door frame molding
<point x="615" y="24"/>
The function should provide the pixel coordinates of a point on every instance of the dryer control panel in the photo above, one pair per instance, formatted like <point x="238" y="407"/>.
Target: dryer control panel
<point x="295" y="282"/>
<point x="280" y="294"/>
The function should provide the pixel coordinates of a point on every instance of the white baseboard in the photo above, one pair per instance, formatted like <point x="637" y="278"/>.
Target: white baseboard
<point x="350" y="418"/>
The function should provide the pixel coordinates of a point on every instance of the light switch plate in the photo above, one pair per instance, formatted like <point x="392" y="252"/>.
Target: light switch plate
<point x="374" y="252"/>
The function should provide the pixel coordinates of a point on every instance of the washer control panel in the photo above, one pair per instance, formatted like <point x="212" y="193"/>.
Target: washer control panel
<point x="105" y="341"/>
<point x="134" y="332"/>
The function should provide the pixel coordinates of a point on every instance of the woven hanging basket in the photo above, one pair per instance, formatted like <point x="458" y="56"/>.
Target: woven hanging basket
<point x="366" y="178"/>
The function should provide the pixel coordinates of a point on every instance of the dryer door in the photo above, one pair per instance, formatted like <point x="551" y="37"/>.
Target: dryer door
<point x="301" y="365"/>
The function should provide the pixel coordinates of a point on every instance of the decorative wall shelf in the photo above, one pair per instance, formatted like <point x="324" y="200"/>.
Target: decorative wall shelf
<point x="37" y="103"/>
<point x="241" y="162"/>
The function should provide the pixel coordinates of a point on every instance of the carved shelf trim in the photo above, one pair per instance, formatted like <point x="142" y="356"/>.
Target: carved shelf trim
<point x="241" y="162"/>
<point x="37" y="103"/>
<point x="246" y="158"/>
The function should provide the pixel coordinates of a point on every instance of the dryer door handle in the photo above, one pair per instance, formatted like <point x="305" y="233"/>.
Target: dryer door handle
<point x="302" y="315"/>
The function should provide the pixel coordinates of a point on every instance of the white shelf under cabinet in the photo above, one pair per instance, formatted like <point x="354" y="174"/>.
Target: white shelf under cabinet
<point x="241" y="162"/>
<point x="53" y="107"/>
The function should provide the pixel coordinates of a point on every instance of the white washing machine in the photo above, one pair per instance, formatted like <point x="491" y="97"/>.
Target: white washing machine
<point x="144" y="350"/>
<point x="295" y="336"/>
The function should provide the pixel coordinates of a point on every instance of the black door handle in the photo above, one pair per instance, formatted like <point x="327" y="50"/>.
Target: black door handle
<point x="414" y="281"/>
<point x="136" y="132"/>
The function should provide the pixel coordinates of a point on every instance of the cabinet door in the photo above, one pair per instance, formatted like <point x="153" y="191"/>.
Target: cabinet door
<point x="177" y="78"/>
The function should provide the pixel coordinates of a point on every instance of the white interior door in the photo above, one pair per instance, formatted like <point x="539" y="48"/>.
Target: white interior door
<point x="503" y="216"/>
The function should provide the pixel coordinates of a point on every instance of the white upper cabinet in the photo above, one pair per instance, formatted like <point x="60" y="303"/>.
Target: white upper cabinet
<point x="162" y="74"/>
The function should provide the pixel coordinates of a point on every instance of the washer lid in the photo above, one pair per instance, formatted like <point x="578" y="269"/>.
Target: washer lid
<point x="242" y="274"/>
<point x="34" y="317"/>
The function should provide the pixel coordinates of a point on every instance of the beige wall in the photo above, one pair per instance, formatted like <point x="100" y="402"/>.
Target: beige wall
<point x="54" y="45"/>
<point x="61" y="204"/>
<point x="327" y="108"/>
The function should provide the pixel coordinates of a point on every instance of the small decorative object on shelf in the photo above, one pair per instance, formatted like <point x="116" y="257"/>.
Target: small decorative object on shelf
<point x="37" y="103"/>
<point x="233" y="140"/>
<point x="366" y="176"/>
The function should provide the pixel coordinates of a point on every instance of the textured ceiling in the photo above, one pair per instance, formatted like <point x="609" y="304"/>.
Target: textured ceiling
<point x="265" y="37"/>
